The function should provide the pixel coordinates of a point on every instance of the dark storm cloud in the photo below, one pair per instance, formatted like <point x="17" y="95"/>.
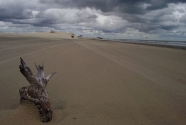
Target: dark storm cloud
<point x="122" y="6"/>
<point x="159" y="4"/>
<point x="107" y="16"/>
<point x="127" y="6"/>
<point x="183" y="19"/>
<point x="14" y="12"/>
<point x="127" y="9"/>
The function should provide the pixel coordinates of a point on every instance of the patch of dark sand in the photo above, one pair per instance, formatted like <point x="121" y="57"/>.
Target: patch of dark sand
<point x="27" y="113"/>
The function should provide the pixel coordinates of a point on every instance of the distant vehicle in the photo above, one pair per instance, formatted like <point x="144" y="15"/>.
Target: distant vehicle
<point x="80" y="36"/>
<point x="99" y="37"/>
<point x="52" y="31"/>
<point x="72" y="35"/>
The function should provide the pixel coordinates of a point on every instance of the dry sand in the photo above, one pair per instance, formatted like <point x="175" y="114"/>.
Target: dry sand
<point x="97" y="82"/>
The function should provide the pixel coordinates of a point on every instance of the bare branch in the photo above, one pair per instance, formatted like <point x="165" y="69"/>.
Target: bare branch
<point x="36" y="92"/>
<point x="49" y="76"/>
<point x="27" y="73"/>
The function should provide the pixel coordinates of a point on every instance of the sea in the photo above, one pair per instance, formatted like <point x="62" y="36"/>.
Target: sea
<point x="174" y="44"/>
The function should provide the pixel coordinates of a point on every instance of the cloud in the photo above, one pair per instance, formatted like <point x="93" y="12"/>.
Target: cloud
<point x="94" y="17"/>
<point x="71" y="16"/>
<point x="19" y="9"/>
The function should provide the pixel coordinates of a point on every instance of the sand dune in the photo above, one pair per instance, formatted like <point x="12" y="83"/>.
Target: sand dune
<point x="50" y="35"/>
<point x="41" y="35"/>
<point x="97" y="82"/>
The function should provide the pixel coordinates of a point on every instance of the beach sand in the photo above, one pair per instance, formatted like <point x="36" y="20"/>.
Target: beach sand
<point x="97" y="82"/>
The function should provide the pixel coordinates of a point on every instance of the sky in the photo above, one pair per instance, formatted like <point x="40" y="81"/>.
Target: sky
<point x="116" y="19"/>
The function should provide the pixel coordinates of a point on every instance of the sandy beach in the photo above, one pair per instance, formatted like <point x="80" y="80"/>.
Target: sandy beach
<point x="97" y="82"/>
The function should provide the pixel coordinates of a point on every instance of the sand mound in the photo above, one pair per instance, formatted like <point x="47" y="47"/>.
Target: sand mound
<point x="51" y="35"/>
<point x="27" y="113"/>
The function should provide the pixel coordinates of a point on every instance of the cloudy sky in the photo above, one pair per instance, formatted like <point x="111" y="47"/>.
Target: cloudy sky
<point x="128" y="19"/>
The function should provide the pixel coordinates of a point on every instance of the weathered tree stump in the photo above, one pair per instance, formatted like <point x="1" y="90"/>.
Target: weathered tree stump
<point x="36" y="92"/>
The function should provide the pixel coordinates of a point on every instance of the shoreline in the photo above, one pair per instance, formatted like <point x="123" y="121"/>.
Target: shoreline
<point x="64" y="35"/>
<point x="147" y="44"/>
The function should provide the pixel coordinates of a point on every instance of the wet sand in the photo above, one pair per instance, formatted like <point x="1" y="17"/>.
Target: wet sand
<point x="97" y="82"/>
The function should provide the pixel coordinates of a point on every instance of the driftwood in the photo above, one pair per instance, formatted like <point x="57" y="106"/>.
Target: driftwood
<point x="36" y="92"/>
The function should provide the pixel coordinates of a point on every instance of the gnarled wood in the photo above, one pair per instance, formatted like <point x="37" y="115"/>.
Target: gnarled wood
<point x="36" y="92"/>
